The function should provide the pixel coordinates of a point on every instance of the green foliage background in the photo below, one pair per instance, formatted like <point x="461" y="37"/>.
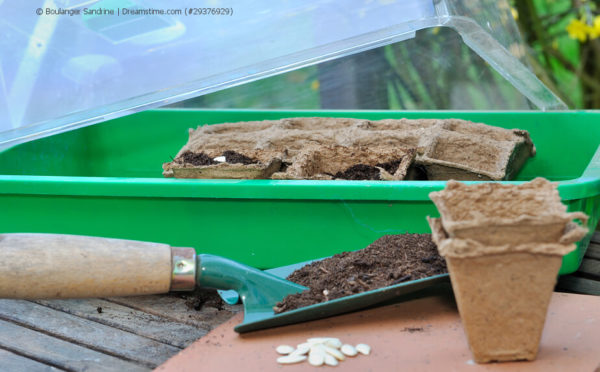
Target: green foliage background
<point x="570" y="67"/>
<point x="435" y="70"/>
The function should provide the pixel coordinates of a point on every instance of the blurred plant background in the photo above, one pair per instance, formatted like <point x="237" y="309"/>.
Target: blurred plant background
<point x="559" y="40"/>
<point x="563" y="46"/>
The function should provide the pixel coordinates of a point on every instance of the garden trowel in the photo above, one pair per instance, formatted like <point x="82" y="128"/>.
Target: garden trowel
<point x="35" y="266"/>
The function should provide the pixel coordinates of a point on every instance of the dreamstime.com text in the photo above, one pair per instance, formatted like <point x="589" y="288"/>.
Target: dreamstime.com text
<point x="134" y="12"/>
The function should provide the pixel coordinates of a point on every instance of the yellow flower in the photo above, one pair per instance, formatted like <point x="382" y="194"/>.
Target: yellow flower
<point x="315" y="85"/>
<point x="594" y="30"/>
<point x="515" y="13"/>
<point x="577" y="29"/>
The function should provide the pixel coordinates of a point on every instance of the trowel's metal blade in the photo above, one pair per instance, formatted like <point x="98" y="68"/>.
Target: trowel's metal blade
<point x="333" y="307"/>
<point x="231" y="297"/>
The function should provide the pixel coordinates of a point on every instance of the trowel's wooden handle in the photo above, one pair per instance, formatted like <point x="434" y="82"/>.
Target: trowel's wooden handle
<point x="68" y="266"/>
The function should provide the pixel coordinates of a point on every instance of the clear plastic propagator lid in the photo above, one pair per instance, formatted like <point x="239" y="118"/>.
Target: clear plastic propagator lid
<point x="65" y="64"/>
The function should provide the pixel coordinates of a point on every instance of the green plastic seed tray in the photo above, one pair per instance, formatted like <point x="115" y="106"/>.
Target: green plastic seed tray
<point x="105" y="180"/>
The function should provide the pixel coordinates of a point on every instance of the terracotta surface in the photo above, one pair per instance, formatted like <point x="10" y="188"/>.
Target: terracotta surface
<point x="570" y="342"/>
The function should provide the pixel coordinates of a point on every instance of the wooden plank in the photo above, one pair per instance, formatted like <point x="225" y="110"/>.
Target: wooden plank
<point x="591" y="267"/>
<point x="85" y="332"/>
<point x="58" y="353"/>
<point x="127" y="319"/>
<point x="175" y="308"/>
<point x="579" y="285"/>
<point x="593" y="251"/>
<point x="16" y="363"/>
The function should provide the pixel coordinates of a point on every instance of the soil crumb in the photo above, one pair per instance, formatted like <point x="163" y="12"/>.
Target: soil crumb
<point x="201" y="297"/>
<point x="233" y="157"/>
<point x="391" y="259"/>
<point x="197" y="158"/>
<point x="360" y="172"/>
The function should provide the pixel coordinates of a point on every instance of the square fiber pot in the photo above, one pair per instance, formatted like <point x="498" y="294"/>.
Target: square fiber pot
<point x="496" y="214"/>
<point x="494" y="155"/>
<point x="503" y="292"/>
<point x="502" y="300"/>
<point x="324" y="162"/>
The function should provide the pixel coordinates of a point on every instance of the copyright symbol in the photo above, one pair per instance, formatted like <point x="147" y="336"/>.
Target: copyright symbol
<point x="39" y="11"/>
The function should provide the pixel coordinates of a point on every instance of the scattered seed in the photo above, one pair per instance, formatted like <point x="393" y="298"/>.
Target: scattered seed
<point x="303" y="348"/>
<point x="284" y="349"/>
<point x="333" y="342"/>
<point x="291" y="359"/>
<point x="298" y="352"/>
<point x="334" y="352"/>
<point x="330" y="360"/>
<point x="349" y="350"/>
<point x="363" y="349"/>
<point x="320" y="350"/>
<point x="316" y="356"/>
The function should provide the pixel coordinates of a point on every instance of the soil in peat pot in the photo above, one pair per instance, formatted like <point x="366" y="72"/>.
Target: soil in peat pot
<point x="201" y="159"/>
<point x="361" y="172"/>
<point x="391" y="259"/>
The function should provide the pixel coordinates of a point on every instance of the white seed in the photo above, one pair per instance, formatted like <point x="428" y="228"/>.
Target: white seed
<point x="333" y="342"/>
<point x="334" y="352"/>
<point x="330" y="360"/>
<point x="316" y="340"/>
<point x="303" y="348"/>
<point x="291" y="359"/>
<point x="299" y="352"/>
<point x="319" y="351"/>
<point x="349" y="350"/>
<point x="284" y="349"/>
<point x="363" y="349"/>
<point x="220" y="159"/>
<point x="316" y="357"/>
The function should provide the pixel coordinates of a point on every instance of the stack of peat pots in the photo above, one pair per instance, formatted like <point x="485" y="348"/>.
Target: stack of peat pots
<point x="504" y="245"/>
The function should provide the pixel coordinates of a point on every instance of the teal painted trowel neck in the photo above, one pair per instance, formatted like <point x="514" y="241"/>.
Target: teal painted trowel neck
<point x="259" y="291"/>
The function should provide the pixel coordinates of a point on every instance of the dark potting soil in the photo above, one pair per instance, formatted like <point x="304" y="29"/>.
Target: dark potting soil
<point x="359" y="172"/>
<point x="391" y="166"/>
<point x="233" y="157"/>
<point x="389" y="260"/>
<point x="201" y="297"/>
<point x="200" y="158"/>
<point x="197" y="158"/>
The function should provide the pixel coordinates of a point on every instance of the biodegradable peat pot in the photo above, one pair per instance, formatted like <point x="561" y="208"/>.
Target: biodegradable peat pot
<point x="334" y="161"/>
<point x="503" y="292"/>
<point x="492" y="154"/>
<point x="251" y="164"/>
<point x="446" y="148"/>
<point x="229" y="171"/>
<point x="496" y="214"/>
